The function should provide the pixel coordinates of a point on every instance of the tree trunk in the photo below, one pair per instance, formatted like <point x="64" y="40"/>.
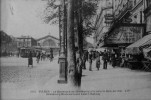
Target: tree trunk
<point x="71" y="44"/>
<point x="80" y="28"/>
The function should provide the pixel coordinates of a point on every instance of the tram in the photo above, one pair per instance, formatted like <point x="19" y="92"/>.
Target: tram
<point x="25" y="51"/>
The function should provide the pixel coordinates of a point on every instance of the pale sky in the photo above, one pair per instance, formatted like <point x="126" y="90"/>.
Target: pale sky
<point x="21" y="17"/>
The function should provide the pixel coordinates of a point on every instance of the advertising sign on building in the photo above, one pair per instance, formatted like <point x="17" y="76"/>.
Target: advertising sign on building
<point x="126" y="34"/>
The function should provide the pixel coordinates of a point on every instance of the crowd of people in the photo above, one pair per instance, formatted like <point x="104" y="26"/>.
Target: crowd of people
<point x="111" y="57"/>
<point x="100" y="58"/>
<point x="40" y="56"/>
<point x="107" y="57"/>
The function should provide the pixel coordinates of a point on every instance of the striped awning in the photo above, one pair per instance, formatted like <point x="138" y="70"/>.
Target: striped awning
<point x="135" y="48"/>
<point x="147" y="53"/>
<point x="141" y="42"/>
<point x="147" y="44"/>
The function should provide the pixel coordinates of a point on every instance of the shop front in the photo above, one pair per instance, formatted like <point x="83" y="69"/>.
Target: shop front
<point x="121" y="36"/>
<point x="140" y="52"/>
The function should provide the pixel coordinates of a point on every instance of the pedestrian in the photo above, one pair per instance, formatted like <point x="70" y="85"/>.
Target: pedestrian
<point x="41" y="56"/>
<point x="78" y="72"/>
<point x="113" y="60"/>
<point x="84" y="60"/>
<point x="93" y="55"/>
<point x="105" y="58"/>
<point x="87" y="54"/>
<point x="122" y="60"/>
<point x="78" y="63"/>
<point x="90" y="61"/>
<point x="109" y="57"/>
<point x="18" y="54"/>
<point x="98" y="60"/>
<point x="51" y="54"/>
<point x="30" y="59"/>
<point x="44" y="56"/>
<point x="38" y="56"/>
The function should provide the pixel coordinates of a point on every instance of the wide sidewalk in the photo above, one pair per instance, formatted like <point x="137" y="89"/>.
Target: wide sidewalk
<point x="111" y="84"/>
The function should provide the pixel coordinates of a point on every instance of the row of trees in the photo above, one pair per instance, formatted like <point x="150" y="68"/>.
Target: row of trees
<point x="4" y="37"/>
<point x="8" y="44"/>
<point x="80" y="16"/>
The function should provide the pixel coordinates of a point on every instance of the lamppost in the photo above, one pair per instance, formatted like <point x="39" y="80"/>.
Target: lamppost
<point x="62" y="57"/>
<point x="59" y="31"/>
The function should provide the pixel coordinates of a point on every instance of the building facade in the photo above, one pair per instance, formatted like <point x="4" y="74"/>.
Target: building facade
<point x="137" y="14"/>
<point x="103" y="20"/>
<point x="26" y="41"/>
<point x="49" y="42"/>
<point x="128" y="25"/>
<point x="147" y="14"/>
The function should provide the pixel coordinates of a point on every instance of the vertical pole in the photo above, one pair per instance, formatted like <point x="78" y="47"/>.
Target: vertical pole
<point x="66" y="31"/>
<point x="62" y="58"/>
<point x="59" y="31"/>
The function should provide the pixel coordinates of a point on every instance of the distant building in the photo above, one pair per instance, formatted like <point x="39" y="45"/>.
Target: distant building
<point x="26" y="41"/>
<point x="8" y="44"/>
<point x="49" y="42"/>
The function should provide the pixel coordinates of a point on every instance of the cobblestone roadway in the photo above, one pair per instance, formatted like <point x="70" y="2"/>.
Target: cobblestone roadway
<point x="14" y="70"/>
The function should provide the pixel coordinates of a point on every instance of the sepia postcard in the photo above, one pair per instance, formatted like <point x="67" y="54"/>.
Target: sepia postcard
<point x="75" y="50"/>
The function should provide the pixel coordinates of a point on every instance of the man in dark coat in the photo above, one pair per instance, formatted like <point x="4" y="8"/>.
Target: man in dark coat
<point x="90" y="60"/>
<point x="105" y="58"/>
<point x="98" y="60"/>
<point x="51" y="54"/>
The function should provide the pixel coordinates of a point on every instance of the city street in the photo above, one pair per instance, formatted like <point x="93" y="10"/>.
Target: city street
<point x="56" y="37"/>
<point x="16" y="76"/>
<point x="38" y="83"/>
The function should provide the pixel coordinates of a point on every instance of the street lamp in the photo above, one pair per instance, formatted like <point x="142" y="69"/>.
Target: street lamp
<point x="59" y="31"/>
<point x="62" y="57"/>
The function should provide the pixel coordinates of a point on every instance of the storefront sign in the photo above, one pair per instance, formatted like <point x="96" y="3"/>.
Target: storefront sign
<point x="126" y="34"/>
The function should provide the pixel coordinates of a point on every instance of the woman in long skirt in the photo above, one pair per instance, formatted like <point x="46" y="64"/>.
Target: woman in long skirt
<point x="30" y="59"/>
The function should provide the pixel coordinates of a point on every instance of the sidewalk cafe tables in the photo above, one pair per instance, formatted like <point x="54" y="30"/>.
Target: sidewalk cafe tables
<point x="147" y="55"/>
<point x="136" y="47"/>
<point x="134" y="64"/>
<point x="140" y="47"/>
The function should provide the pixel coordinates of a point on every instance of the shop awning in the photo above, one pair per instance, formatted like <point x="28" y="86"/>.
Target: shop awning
<point x="141" y="42"/>
<point x="147" y="53"/>
<point x="135" y="47"/>
<point x="147" y="44"/>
